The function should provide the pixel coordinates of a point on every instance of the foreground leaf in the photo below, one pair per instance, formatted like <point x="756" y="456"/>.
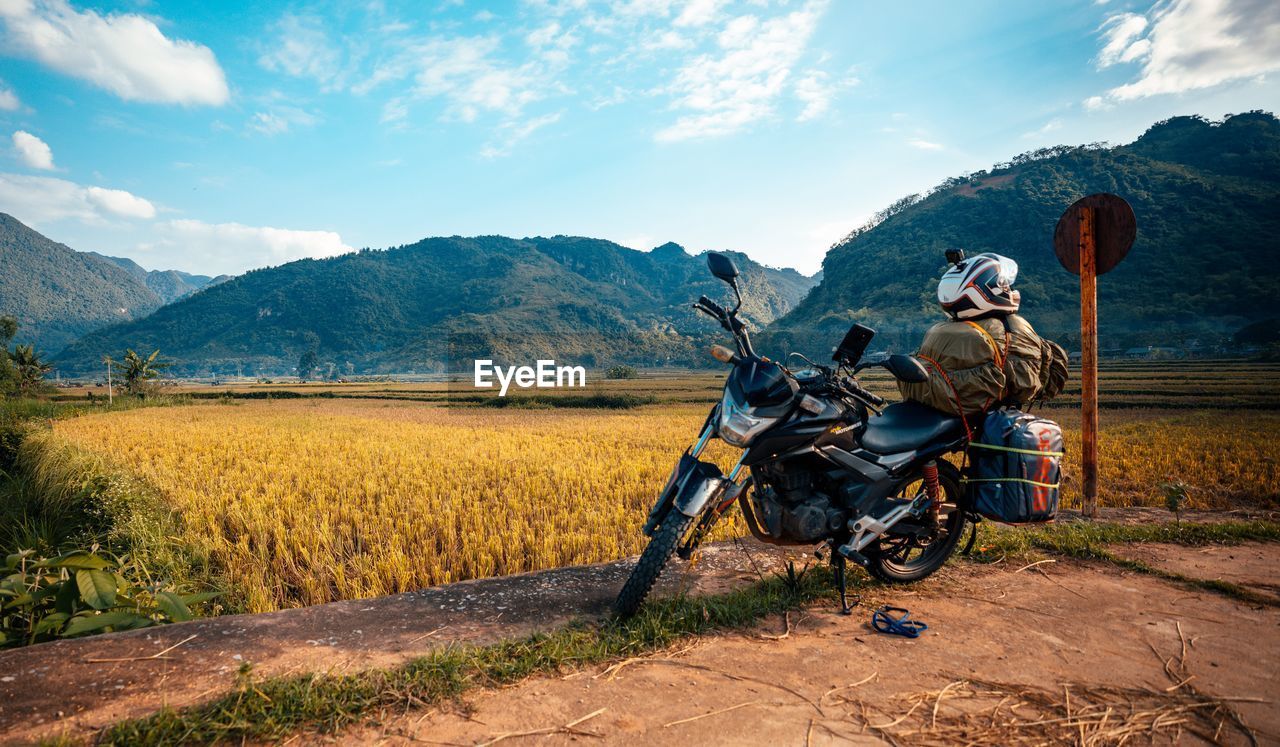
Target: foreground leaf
<point x="76" y="561"/>
<point x="172" y="605"/>
<point x="97" y="588"/>
<point x="117" y="619"/>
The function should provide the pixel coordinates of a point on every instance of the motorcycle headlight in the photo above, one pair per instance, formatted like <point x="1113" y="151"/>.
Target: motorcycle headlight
<point x="738" y="426"/>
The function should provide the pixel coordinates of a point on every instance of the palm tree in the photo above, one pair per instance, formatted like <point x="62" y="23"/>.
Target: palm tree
<point x="137" y="371"/>
<point x="30" y="369"/>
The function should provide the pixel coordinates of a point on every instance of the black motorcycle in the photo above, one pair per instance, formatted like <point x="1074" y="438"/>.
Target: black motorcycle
<point x="824" y="462"/>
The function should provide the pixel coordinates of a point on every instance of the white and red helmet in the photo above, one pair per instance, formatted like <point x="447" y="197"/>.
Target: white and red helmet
<point x="979" y="286"/>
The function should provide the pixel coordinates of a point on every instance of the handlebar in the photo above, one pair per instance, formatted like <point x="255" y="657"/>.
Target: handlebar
<point x="861" y="393"/>
<point x="730" y="321"/>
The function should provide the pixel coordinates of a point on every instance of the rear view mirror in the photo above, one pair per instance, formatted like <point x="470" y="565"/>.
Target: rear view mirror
<point x="722" y="267"/>
<point x="906" y="368"/>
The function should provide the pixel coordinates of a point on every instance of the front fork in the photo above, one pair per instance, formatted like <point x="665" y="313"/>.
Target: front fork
<point x="710" y="515"/>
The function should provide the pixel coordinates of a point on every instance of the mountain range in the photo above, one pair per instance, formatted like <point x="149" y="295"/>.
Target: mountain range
<point x="1203" y="267"/>
<point x="437" y="303"/>
<point x="1205" y="262"/>
<point x="59" y="294"/>
<point x="168" y="285"/>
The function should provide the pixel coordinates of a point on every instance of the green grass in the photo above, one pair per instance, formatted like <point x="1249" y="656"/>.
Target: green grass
<point x="1089" y="539"/>
<point x="277" y="707"/>
<point x="55" y="498"/>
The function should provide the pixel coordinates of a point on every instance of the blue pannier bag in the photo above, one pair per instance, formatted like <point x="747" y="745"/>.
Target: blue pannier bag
<point x="1015" y="467"/>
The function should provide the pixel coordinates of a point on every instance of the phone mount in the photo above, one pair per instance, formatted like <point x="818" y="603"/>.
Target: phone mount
<point x="854" y="344"/>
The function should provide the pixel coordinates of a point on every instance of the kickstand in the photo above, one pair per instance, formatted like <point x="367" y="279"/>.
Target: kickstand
<point x="838" y="562"/>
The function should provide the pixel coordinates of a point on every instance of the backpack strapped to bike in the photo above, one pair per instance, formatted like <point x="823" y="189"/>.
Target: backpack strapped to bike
<point x="1015" y="468"/>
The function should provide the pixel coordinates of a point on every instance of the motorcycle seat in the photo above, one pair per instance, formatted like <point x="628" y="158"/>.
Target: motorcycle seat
<point x="906" y="426"/>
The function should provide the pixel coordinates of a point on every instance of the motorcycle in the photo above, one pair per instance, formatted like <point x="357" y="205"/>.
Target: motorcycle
<point x="824" y="462"/>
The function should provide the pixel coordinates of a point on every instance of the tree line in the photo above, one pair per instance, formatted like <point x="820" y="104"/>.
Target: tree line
<point x="23" y="372"/>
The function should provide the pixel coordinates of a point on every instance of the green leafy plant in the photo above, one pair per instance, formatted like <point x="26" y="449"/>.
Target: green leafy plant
<point x="621" y="372"/>
<point x="82" y="593"/>
<point x="1176" y="494"/>
<point x="29" y="370"/>
<point x="138" y="371"/>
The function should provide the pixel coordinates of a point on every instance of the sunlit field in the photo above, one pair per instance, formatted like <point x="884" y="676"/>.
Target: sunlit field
<point x="312" y="500"/>
<point x="307" y="502"/>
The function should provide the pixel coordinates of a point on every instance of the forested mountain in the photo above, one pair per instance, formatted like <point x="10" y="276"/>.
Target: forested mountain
<point x="430" y="305"/>
<point x="58" y="294"/>
<point x="169" y="285"/>
<point x="1206" y="261"/>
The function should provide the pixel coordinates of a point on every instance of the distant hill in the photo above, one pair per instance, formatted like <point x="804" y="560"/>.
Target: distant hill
<point x="1205" y="264"/>
<point x="430" y="304"/>
<point x="59" y="294"/>
<point x="169" y="285"/>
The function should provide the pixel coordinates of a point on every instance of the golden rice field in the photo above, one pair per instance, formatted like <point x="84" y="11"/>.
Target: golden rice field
<point x="308" y="501"/>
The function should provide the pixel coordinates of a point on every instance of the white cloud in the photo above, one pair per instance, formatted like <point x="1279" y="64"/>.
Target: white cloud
<point x="1050" y="126"/>
<point x="33" y="151"/>
<point x="302" y="48"/>
<point x="921" y="144"/>
<point x="234" y="248"/>
<point x="1096" y="104"/>
<point x="667" y="40"/>
<point x="121" y="203"/>
<point x="512" y="133"/>
<point x="8" y="99"/>
<point x="1119" y="34"/>
<point x="1184" y="45"/>
<point x="123" y="53"/>
<point x="395" y="111"/>
<point x="543" y="36"/>
<point x="44" y="199"/>
<point x="724" y="93"/>
<point x="699" y="12"/>
<point x="816" y="91"/>
<point x="279" y="120"/>
<point x="466" y="74"/>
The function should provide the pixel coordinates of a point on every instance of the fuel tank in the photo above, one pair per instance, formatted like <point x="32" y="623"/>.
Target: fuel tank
<point x="815" y="422"/>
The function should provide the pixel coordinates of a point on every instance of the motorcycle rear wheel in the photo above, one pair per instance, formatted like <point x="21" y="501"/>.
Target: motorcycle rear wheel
<point x="893" y="560"/>
<point x="652" y="561"/>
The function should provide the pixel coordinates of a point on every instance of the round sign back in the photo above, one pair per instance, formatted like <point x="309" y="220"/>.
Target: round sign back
<point x="1114" y="228"/>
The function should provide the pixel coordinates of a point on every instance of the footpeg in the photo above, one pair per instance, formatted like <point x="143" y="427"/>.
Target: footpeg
<point x="847" y="552"/>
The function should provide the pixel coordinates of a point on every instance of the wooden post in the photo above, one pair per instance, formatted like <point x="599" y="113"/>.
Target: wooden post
<point x="1088" y="363"/>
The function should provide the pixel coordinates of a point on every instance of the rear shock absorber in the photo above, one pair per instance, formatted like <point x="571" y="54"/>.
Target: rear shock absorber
<point x="932" y="487"/>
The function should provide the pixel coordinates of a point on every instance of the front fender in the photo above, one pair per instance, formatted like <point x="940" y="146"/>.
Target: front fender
<point x="691" y="485"/>
<point x="705" y="481"/>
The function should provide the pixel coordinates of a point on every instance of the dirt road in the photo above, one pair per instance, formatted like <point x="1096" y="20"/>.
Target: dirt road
<point x="1004" y="647"/>
<point x="1059" y="643"/>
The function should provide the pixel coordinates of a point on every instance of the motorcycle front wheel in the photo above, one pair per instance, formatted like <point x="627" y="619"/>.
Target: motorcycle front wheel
<point x="909" y="557"/>
<point x="652" y="561"/>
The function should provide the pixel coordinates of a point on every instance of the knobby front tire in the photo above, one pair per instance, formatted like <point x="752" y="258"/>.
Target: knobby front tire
<point x="652" y="561"/>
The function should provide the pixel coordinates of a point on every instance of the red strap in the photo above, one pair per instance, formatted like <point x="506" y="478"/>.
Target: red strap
<point x="955" y="395"/>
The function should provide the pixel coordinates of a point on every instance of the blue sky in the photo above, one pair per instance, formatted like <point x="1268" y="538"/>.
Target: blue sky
<point x="217" y="137"/>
